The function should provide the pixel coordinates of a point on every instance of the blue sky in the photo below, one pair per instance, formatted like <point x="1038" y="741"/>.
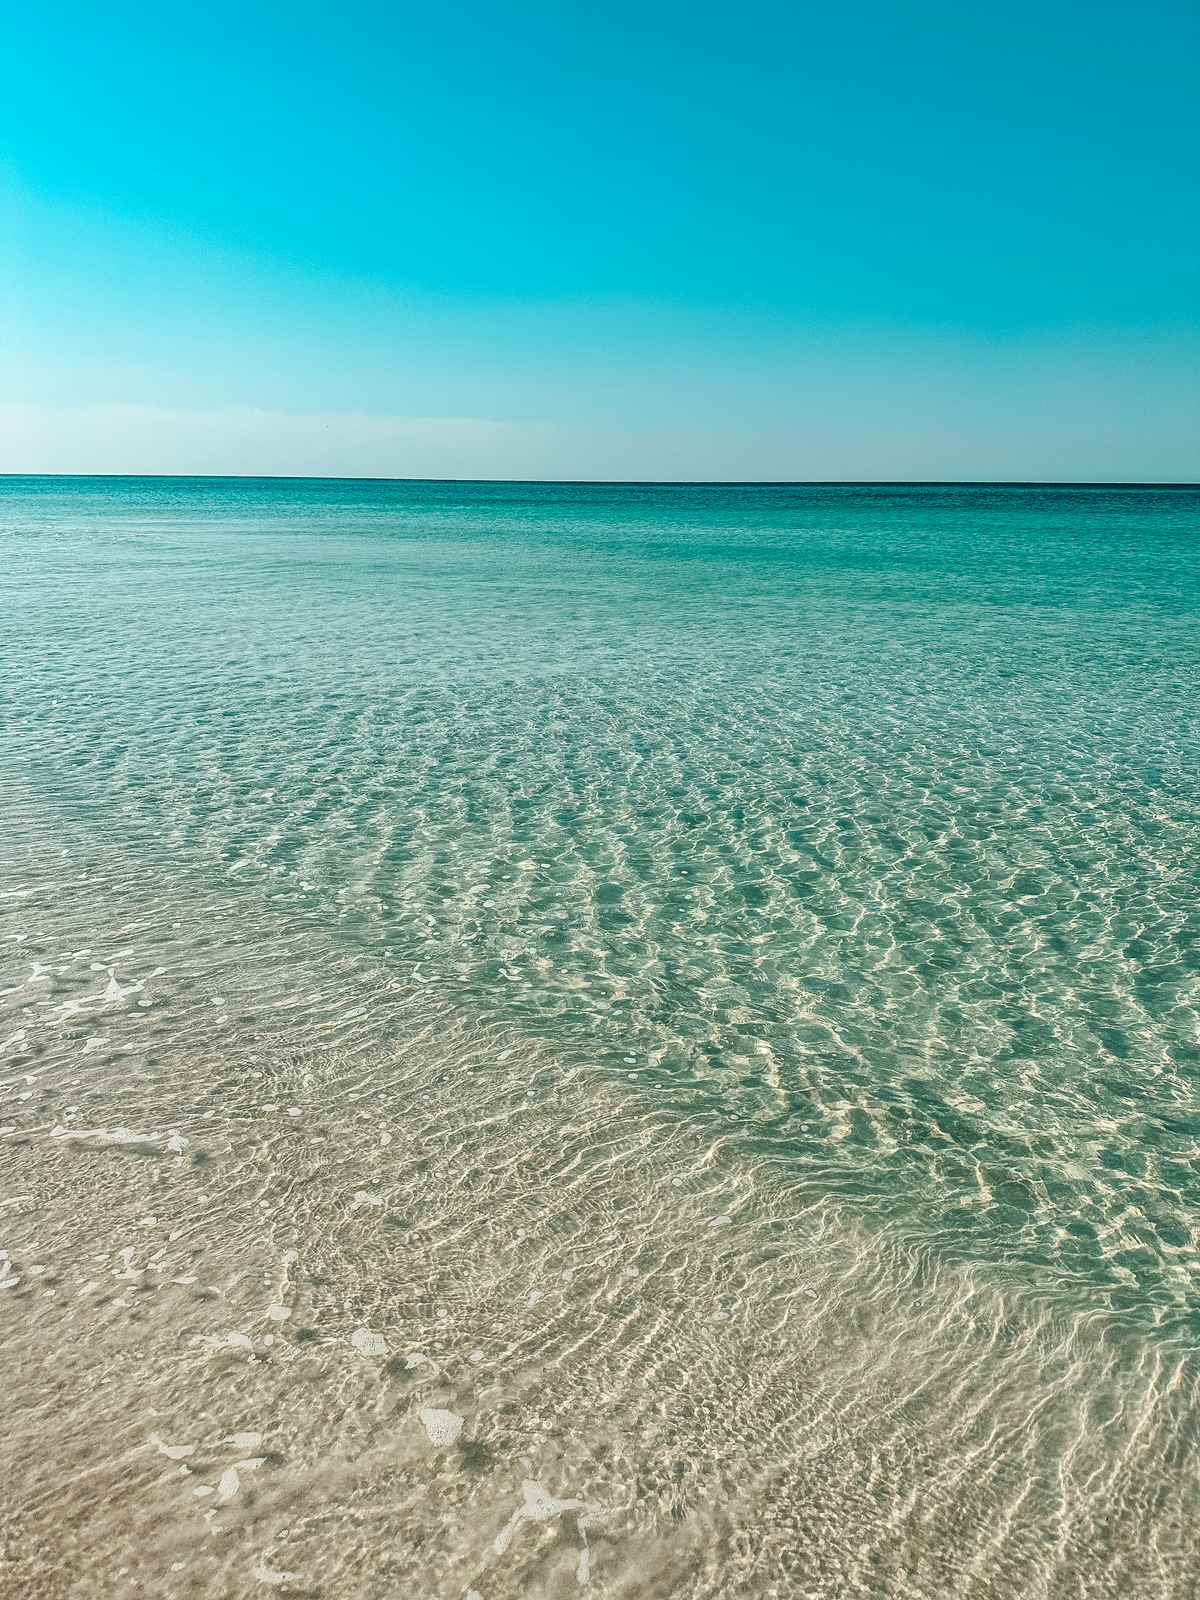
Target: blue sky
<point x="634" y="241"/>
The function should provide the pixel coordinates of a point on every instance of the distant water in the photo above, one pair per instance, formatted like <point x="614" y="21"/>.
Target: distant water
<point x="852" y="833"/>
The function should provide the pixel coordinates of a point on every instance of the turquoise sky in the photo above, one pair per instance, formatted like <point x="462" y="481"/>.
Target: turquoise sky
<point x="626" y="241"/>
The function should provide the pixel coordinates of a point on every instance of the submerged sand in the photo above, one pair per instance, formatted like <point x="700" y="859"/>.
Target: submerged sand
<point x="310" y="1286"/>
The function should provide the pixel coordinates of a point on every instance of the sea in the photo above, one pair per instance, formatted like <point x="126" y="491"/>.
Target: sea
<point x="628" y="1038"/>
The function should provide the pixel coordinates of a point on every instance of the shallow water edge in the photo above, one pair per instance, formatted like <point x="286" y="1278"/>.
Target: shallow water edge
<point x="311" y="1283"/>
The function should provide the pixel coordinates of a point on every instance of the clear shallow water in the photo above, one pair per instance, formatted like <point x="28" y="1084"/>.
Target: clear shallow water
<point x="867" y="818"/>
<point x="848" y="836"/>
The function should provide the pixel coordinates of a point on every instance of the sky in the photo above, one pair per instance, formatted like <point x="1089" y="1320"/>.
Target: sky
<point x="637" y="241"/>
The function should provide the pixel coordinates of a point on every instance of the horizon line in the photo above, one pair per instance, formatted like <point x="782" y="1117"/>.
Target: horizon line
<point x="638" y="483"/>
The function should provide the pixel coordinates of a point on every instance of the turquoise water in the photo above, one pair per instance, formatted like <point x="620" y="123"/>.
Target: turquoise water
<point x="860" y="825"/>
<point x="644" y="1037"/>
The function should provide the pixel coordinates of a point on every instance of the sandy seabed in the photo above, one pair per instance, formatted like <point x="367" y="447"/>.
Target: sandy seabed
<point x="316" y="1288"/>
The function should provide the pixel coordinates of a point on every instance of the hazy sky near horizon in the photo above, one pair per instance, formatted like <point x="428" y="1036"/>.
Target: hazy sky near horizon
<point x="643" y="241"/>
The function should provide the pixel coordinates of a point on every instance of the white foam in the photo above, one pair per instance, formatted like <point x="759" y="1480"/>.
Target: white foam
<point x="538" y="1505"/>
<point x="443" y="1427"/>
<point x="274" y="1575"/>
<point x="112" y="1137"/>
<point x="230" y="1341"/>
<point x="173" y="1452"/>
<point x="368" y="1343"/>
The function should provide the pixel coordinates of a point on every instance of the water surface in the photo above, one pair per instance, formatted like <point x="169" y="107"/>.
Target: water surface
<point x="848" y="835"/>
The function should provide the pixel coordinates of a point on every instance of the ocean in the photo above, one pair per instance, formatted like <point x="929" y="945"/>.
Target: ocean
<point x="641" y="1037"/>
